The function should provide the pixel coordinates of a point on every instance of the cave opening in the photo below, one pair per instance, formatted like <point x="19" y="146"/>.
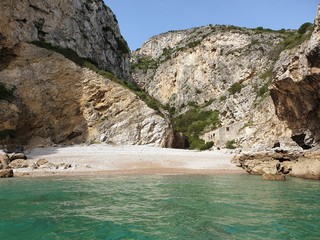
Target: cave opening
<point x="300" y="140"/>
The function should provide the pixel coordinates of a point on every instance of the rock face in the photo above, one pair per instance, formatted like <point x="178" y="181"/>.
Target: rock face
<point x="57" y="101"/>
<point x="275" y="165"/>
<point x="86" y="26"/>
<point x="49" y="97"/>
<point x="223" y="68"/>
<point x="296" y="89"/>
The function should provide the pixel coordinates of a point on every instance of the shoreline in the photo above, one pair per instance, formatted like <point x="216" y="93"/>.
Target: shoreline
<point x="94" y="160"/>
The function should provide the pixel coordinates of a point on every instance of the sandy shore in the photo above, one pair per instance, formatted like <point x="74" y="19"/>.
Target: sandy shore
<point x="106" y="159"/>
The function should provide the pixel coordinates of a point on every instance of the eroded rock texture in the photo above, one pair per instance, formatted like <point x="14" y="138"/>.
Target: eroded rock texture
<point x="86" y="26"/>
<point x="48" y="99"/>
<point x="223" y="68"/>
<point x="296" y="90"/>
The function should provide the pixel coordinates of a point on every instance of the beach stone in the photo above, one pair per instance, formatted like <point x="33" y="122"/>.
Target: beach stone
<point x="64" y="166"/>
<point x="41" y="162"/>
<point x="4" y="161"/>
<point x="49" y="165"/>
<point x="274" y="177"/>
<point x="19" y="163"/>
<point x="6" y="173"/>
<point x="14" y="156"/>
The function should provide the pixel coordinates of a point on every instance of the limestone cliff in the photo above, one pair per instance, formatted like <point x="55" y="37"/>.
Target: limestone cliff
<point x="56" y="101"/>
<point x="296" y="89"/>
<point x="85" y="26"/>
<point x="50" y="91"/>
<point x="222" y="68"/>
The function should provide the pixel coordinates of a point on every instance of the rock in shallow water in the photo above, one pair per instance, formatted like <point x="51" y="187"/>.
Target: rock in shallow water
<point x="274" y="177"/>
<point x="6" y="173"/>
<point x="306" y="168"/>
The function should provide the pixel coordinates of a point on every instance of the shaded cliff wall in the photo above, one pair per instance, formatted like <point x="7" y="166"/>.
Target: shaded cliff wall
<point x="296" y="89"/>
<point x="50" y="93"/>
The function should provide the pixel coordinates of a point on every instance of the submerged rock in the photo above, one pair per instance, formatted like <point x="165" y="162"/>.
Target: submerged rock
<point x="274" y="177"/>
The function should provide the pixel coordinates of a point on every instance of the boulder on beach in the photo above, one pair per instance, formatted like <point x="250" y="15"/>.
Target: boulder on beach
<point x="19" y="163"/>
<point x="14" y="156"/>
<point x="6" y="173"/>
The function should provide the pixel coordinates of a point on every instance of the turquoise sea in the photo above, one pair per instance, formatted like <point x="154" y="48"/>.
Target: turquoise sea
<point x="235" y="206"/>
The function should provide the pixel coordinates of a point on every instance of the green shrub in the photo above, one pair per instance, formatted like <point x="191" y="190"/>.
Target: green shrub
<point x="193" y="44"/>
<point x="122" y="45"/>
<point x="235" y="88"/>
<point x="267" y="74"/>
<point x="263" y="90"/>
<point x="172" y="111"/>
<point x="305" y="27"/>
<point x="193" y="122"/>
<point x="144" y="64"/>
<point x="193" y="104"/>
<point x="223" y="98"/>
<point x="208" y="103"/>
<point x="206" y="146"/>
<point x="5" y="93"/>
<point x="231" y="144"/>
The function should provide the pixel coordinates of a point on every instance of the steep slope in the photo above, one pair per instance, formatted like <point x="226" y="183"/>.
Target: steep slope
<point x="86" y="26"/>
<point x="296" y="89"/>
<point x="222" y="68"/>
<point x="50" y="91"/>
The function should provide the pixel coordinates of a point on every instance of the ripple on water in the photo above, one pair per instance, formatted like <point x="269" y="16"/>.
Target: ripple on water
<point x="159" y="207"/>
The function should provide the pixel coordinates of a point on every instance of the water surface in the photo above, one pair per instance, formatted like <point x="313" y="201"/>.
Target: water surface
<point x="235" y="206"/>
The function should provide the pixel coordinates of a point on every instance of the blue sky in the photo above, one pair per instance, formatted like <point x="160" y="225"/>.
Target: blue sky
<point x="142" y="19"/>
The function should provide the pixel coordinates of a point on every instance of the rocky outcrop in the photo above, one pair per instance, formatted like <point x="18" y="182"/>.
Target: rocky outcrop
<point x="56" y="101"/>
<point x="296" y="89"/>
<point x="55" y="93"/>
<point x="223" y="68"/>
<point x="278" y="163"/>
<point x="86" y="26"/>
<point x="201" y="64"/>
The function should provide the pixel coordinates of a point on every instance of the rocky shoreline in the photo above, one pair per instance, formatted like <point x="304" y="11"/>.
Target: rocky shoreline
<point x="274" y="164"/>
<point x="10" y="164"/>
<point x="278" y="163"/>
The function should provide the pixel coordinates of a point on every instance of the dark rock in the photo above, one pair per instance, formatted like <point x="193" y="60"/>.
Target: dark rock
<point x="14" y="156"/>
